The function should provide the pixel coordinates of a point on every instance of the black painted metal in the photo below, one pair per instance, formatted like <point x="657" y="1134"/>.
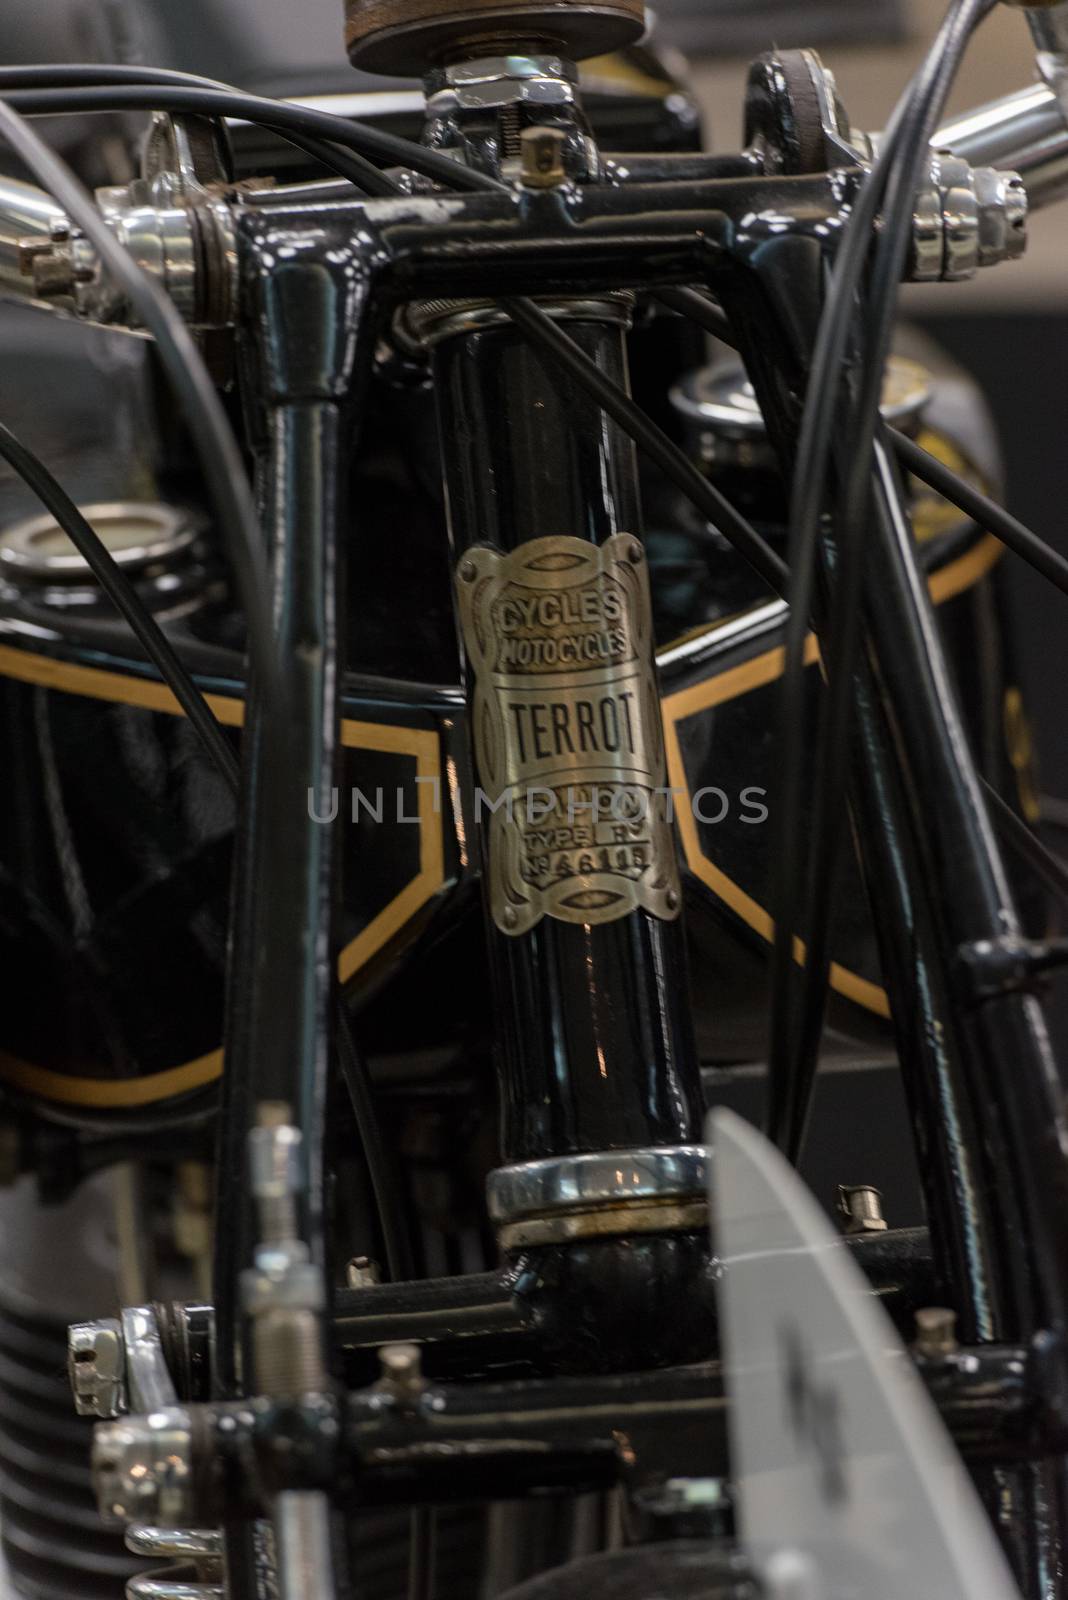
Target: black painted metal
<point x="985" y="1101"/>
<point x="981" y="1081"/>
<point x="303" y="332"/>
<point x="595" y="1038"/>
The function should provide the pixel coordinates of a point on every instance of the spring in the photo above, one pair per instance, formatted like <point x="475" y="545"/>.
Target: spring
<point x="197" y="1570"/>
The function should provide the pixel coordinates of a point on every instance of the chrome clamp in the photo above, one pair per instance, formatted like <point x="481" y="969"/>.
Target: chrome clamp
<point x="966" y="218"/>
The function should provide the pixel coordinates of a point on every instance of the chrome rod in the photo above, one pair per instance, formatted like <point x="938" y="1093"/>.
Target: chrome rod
<point x="1026" y="132"/>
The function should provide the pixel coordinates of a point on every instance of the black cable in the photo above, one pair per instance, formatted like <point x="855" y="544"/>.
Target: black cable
<point x="807" y="492"/>
<point x="354" y="168"/>
<point x="698" y="308"/>
<point x="161" y="653"/>
<point x="124" y="597"/>
<point x="1047" y="866"/>
<point x="224" y="469"/>
<point x="672" y="461"/>
<point x="381" y="1170"/>
<point x="986" y="512"/>
<point x="210" y="101"/>
<point x="421" y="1553"/>
<point x="920" y="462"/>
<point x="811" y="883"/>
<point x="366" y="141"/>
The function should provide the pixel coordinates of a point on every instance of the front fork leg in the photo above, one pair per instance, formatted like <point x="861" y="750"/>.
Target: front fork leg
<point x="602" y="1196"/>
<point x="983" y="1094"/>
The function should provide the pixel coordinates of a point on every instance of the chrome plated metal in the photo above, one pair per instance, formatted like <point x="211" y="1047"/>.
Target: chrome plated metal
<point x="489" y="82"/>
<point x="425" y="323"/>
<point x="275" y="1174"/>
<point x="96" y="1363"/>
<point x="1026" y="132"/>
<point x="25" y="211"/>
<point x="928" y="242"/>
<point x="302" y="1539"/>
<point x="143" y="1468"/>
<point x="138" y="534"/>
<point x="148" y="1379"/>
<point x="401" y="1372"/>
<point x="861" y="1209"/>
<point x="197" y="1573"/>
<point x="936" y="1331"/>
<point x="163" y="1586"/>
<point x="587" y="1182"/>
<point x="180" y="1544"/>
<point x="181" y="235"/>
<point x="284" y="1292"/>
<point x="363" y="1273"/>
<point x="965" y="218"/>
<point x="723" y="419"/>
<point x="621" y="1220"/>
<point x="479" y="110"/>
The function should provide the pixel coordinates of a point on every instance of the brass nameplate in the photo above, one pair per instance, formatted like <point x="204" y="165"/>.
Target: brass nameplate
<point x="567" y="731"/>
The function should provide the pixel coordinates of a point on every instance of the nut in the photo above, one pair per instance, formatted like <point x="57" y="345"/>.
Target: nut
<point x="96" y="1363"/>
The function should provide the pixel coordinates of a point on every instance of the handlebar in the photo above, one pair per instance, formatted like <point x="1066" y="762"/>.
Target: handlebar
<point x="1026" y="132"/>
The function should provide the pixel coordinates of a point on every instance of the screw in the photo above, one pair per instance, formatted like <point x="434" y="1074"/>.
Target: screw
<point x="672" y="899"/>
<point x="541" y="157"/>
<point x="936" y="1332"/>
<point x="861" y="1208"/>
<point x="96" y="1362"/>
<point x="509" y="916"/>
<point x="468" y="571"/>
<point x="363" y="1273"/>
<point x="635" y="553"/>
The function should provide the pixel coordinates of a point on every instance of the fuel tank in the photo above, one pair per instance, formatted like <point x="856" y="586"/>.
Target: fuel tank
<point x="116" y="837"/>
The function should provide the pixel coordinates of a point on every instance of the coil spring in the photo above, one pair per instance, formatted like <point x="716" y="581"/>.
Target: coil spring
<point x="197" y="1572"/>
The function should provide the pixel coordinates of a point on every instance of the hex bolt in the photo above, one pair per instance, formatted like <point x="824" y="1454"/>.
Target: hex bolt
<point x="96" y="1363"/>
<point x="861" y="1209"/>
<point x="541" y="157"/>
<point x="936" y="1332"/>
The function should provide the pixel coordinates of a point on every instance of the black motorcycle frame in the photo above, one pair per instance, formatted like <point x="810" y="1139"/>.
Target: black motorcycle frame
<point x="320" y="282"/>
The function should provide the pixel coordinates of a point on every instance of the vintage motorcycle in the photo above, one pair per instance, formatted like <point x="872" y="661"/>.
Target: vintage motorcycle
<point x="498" y="649"/>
